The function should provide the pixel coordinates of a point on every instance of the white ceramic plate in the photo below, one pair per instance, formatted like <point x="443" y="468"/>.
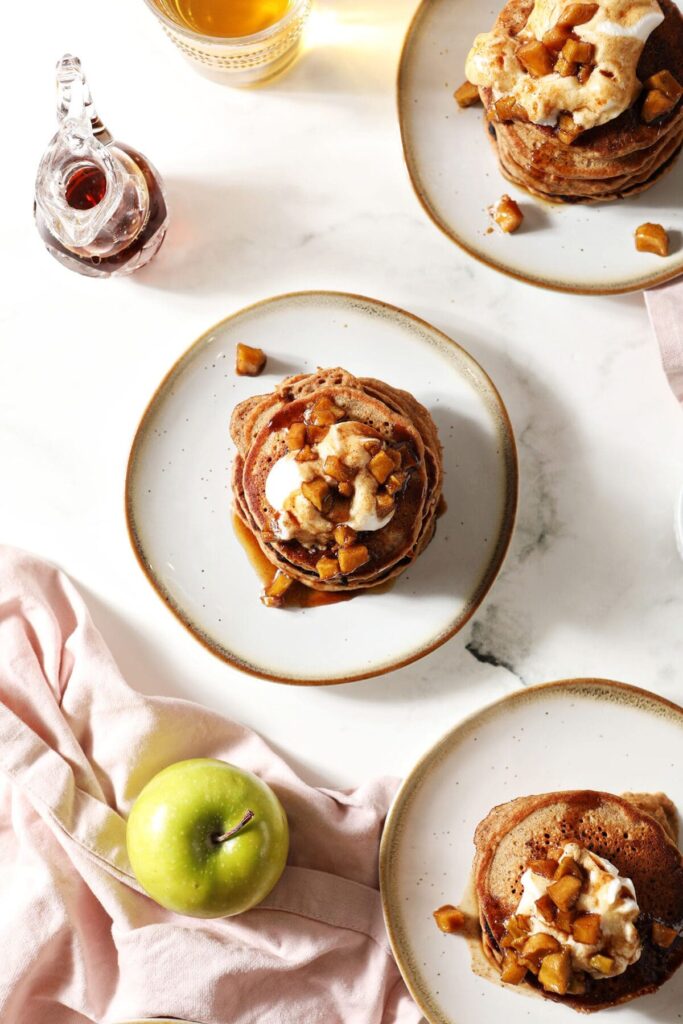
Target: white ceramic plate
<point x="580" y="734"/>
<point x="179" y="503"/>
<point x="455" y="174"/>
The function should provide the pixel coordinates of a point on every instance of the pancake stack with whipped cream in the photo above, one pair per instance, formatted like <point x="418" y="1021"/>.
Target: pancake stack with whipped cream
<point x="580" y="894"/>
<point x="339" y="479"/>
<point x="583" y="100"/>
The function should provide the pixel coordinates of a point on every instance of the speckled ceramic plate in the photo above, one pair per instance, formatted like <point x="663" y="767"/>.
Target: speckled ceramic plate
<point x="586" y="249"/>
<point x="178" y="496"/>
<point x="578" y="734"/>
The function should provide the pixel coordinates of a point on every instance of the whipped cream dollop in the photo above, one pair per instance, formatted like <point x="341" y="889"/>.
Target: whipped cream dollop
<point x="297" y="518"/>
<point x="618" y="31"/>
<point x="607" y="894"/>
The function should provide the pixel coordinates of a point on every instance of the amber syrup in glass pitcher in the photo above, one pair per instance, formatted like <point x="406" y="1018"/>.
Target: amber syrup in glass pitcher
<point x="99" y="204"/>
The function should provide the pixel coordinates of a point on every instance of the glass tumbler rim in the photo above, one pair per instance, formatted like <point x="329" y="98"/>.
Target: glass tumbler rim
<point x="295" y="9"/>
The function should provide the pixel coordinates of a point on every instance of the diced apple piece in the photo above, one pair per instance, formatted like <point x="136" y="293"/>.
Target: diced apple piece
<point x="344" y="536"/>
<point x="327" y="568"/>
<point x="568" y="130"/>
<point x="602" y="964"/>
<point x="384" y="504"/>
<point x="249" y="362"/>
<point x="568" y="866"/>
<point x="339" y="510"/>
<point x="663" y="936"/>
<point x="564" y="919"/>
<point x="546" y="868"/>
<point x="274" y="593"/>
<point x="565" y="892"/>
<point x="372" y="447"/>
<point x="578" y="14"/>
<point x="586" y="929"/>
<point x="656" y="104"/>
<point x="546" y="908"/>
<point x="665" y="82"/>
<point x="318" y="493"/>
<point x="584" y="73"/>
<point x="508" y="109"/>
<point x="540" y="945"/>
<point x="449" y="919"/>
<point x="296" y="436"/>
<point x="381" y="466"/>
<point x="536" y="58"/>
<point x="507" y="214"/>
<point x="314" y="435"/>
<point x="652" y="238"/>
<point x="346" y="489"/>
<point x="352" y="558"/>
<point x="306" y="454"/>
<point x="335" y="468"/>
<point x="577" y="52"/>
<point x="512" y="972"/>
<point x="466" y="95"/>
<point x="324" y="413"/>
<point x="555" y="38"/>
<point x="555" y="972"/>
<point x="566" y="68"/>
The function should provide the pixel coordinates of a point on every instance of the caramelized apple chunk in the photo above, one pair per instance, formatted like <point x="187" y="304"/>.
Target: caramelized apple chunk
<point x="564" y="920"/>
<point x="566" y="68"/>
<point x="335" y="468"/>
<point x="381" y="465"/>
<point x="665" y="82"/>
<point x="652" y="238"/>
<point x="324" y="413"/>
<point x="656" y="105"/>
<point x="449" y="919"/>
<point x="395" y="483"/>
<point x="546" y="908"/>
<point x="327" y="568"/>
<point x="568" y="866"/>
<point x="555" y="972"/>
<point x="602" y="964"/>
<point x="507" y="214"/>
<point x="249" y="362"/>
<point x="346" y="488"/>
<point x="546" y="867"/>
<point x="577" y="14"/>
<point x="296" y="436"/>
<point x="512" y="971"/>
<point x="345" y="536"/>
<point x="384" y="504"/>
<point x="508" y="109"/>
<point x="565" y="892"/>
<point x="466" y="95"/>
<point x="540" y="945"/>
<point x="274" y="593"/>
<point x="584" y="73"/>
<point x="306" y="454"/>
<point x="536" y="58"/>
<point x="586" y="929"/>
<point x="353" y="558"/>
<point x="663" y="936"/>
<point x="314" y="434"/>
<point x="556" y="37"/>
<point x="317" y="491"/>
<point x="568" y="130"/>
<point x="578" y="52"/>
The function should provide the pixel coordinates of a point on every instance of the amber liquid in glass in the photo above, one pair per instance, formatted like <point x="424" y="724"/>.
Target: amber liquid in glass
<point x="228" y="18"/>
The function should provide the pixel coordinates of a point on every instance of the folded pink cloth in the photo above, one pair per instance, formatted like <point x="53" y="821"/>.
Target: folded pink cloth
<point x="665" y="306"/>
<point x="79" y="940"/>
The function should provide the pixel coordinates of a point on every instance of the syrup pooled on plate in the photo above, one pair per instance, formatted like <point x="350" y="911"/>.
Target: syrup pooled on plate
<point x="297" y="595"/>
<point x="227" y="19"/>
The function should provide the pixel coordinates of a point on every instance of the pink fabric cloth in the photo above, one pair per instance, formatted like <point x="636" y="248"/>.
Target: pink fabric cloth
<point x="665" y="306"/>
<point x="79" y="940"/>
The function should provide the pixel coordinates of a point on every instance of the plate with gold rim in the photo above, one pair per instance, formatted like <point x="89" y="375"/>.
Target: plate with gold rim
<point x="574" y="734"/>
<point x="454" y="172"/>
<point x="178" y="494"/>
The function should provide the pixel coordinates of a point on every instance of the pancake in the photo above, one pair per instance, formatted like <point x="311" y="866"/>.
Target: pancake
<point x="366" y="408"/>
<point x="620" y="158"/>
<point x="634" y="834"/>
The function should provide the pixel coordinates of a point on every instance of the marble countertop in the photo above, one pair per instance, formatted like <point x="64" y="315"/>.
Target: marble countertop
<point x="299" y="185"/>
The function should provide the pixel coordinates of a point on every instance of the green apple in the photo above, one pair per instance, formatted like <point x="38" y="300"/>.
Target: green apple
<point x="207" y="839"/>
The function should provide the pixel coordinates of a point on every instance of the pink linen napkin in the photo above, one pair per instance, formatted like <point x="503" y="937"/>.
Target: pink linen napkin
<point x="80" y="941"/>
<point x="665" y="306"/>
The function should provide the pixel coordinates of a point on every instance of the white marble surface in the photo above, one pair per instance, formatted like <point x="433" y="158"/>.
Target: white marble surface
<point x="302" y="185"/>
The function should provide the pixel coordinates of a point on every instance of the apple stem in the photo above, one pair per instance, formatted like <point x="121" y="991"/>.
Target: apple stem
<point x="233" y="831"/>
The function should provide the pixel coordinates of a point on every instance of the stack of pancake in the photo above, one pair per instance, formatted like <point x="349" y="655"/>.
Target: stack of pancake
<point x="621" y="158"/>
<point x="637" y="833"/>
<point x="402" y="427"/>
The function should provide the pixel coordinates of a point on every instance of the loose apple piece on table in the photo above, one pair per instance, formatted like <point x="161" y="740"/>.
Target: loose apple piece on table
<point x="249" y="362"/>
<point x="449" y="919"/>
<point x="207" y="839"/>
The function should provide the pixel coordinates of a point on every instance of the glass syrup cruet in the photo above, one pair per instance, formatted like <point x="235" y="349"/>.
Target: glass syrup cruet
<point x="99" y="204"/>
